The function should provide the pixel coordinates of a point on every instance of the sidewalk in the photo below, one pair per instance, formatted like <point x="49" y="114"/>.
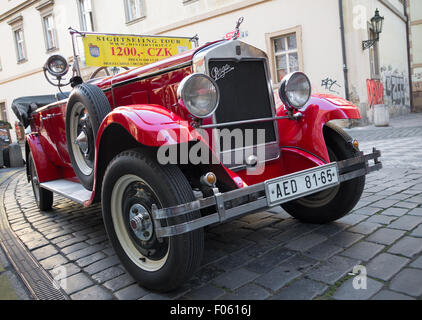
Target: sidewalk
<point x="11" y="286"/>
<point x="7" y="292"/>
<point x="400" y="127"/>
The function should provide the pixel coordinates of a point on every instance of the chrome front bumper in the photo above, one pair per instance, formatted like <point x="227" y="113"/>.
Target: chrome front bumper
<point x="232" y="204"/>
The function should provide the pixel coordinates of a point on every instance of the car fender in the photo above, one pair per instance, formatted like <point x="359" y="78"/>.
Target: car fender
<point x="307" y="133"/>
<point x="150" y="126"/>
<point x="46" y="170"/>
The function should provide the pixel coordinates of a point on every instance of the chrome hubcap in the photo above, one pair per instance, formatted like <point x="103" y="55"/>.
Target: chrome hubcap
<point x="82" y="136"/>
<point x="140" y="222"/>
<point x="82" y="142"/>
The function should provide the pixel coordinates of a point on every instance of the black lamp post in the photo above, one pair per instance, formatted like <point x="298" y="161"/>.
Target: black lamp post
<point x="377" y="23"/>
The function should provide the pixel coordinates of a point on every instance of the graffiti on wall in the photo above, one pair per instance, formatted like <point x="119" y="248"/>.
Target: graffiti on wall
<point x="375" y="92"/>
<point x="330" y="84"/>
<point x="396" y="87"/>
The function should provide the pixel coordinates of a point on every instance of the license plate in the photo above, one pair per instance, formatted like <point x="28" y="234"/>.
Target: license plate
<point x="301" y="184"/>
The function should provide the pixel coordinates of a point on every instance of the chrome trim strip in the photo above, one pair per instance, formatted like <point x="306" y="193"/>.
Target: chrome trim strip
<point x="228" y="124"/>
<point x="224" y="214"/>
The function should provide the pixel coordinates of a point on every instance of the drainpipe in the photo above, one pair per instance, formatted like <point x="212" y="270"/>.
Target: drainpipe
<point x="405" y="2"/>
<point x="343" y="48"/>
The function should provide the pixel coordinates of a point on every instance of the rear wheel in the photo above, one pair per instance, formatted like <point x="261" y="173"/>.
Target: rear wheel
<point x="332" y="204"/>
<point x="43" y="197"/>
<point x="132" y="184"/>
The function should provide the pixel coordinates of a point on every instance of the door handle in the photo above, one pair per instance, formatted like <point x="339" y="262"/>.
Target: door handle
<point x="50" y="116"/>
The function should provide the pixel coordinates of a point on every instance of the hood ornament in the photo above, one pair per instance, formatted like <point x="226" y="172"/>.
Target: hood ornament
<point x="237" y="29"/>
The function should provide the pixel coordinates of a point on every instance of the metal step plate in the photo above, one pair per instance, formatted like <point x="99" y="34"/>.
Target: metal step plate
<point x="71" y="190"/>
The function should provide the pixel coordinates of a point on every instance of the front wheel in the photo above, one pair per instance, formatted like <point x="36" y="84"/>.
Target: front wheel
<point x="133" y="183"/>
<point x="332" y="204"/>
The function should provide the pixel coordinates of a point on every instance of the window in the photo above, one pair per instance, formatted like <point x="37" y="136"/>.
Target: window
<point x="135" y="10"/>
<point x="20" y="45"/>
<point x="3" y="112"/>
<point x="87" y="21"/>
<point x="50" y="32"/>
<point x="286" y="56"/>
<point x="285" y="52"/>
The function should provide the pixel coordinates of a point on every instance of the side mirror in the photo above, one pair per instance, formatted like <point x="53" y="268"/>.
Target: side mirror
<point x="57" y="66"/>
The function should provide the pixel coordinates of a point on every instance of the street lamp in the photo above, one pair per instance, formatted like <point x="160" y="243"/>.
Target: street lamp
<point x="377" y="23"/>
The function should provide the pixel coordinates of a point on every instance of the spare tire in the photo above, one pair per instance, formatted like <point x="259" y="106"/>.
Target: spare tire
<point x="86" y="109"/>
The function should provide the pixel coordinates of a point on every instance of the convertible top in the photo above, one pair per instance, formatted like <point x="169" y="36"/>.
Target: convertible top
<point x="23" y="107"/>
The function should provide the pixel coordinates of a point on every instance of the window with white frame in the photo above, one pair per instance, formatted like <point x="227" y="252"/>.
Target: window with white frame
<point x="286" y="55"/>
<point x="135" y="10"/>
<point x="86" y="15"/>
<point x="3" y="112"/>
<point x="20" y="45"/>
<point x="50" y="32"/>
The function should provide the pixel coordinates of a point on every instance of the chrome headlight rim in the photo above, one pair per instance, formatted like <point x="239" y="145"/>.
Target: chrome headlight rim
<point x="181" y="93"/>
<point x="284" y="89"/>
<point x="60" y="59"/>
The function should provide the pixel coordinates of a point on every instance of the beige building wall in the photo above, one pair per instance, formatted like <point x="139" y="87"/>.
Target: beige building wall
<point x="392" y="54"/>
<point x="415" y="29"/>
<point x="316" y="25"/>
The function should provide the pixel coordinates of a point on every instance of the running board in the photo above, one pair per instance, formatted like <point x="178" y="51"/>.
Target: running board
<point x="71" y="190"/>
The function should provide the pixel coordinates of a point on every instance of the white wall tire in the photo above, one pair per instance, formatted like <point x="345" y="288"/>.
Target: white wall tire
<point x="121" y="231"/>
<point x="136" y="178"/>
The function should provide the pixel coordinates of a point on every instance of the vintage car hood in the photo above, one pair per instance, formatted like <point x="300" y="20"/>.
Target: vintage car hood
<point x="180" y="59"/>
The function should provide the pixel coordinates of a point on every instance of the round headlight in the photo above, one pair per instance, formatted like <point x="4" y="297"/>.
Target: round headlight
<point x="295" y="90"/>
<point x="57" y="66"/>
<point x="200" y="95"/>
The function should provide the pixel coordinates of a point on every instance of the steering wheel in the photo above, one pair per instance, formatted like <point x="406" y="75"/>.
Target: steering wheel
<point x="108" y="71"/>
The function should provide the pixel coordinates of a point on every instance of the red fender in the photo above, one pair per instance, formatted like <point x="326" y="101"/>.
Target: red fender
<point x="145" y="122"/>
<point x="154" y="126"/>
<point x="307" y="133"/>
<point x="46" y="170"/>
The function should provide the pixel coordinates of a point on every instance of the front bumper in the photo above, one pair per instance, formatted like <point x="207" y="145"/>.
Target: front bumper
<point x="248" y="200"/>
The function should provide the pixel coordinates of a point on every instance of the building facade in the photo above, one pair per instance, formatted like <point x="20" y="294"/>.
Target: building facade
<point x="414" y="9"/>
<point x="321" y="38"/>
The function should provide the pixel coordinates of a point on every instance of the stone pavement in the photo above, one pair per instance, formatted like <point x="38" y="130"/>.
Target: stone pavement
<point x="268" y="255"/>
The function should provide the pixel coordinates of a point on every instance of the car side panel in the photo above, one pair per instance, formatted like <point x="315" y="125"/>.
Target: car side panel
<point x="46" y="170"/>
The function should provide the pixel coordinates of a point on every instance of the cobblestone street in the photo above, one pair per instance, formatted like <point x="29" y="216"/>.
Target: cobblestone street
<point x="267" y="255"/>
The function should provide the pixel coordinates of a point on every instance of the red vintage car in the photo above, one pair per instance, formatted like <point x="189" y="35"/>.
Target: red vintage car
<point x="112" y="140"/>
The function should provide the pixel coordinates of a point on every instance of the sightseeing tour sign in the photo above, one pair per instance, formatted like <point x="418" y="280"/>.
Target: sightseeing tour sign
<point x="106" y="50"/>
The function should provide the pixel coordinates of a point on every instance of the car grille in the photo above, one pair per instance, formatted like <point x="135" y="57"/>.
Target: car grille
<point x="244" y="96"/>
